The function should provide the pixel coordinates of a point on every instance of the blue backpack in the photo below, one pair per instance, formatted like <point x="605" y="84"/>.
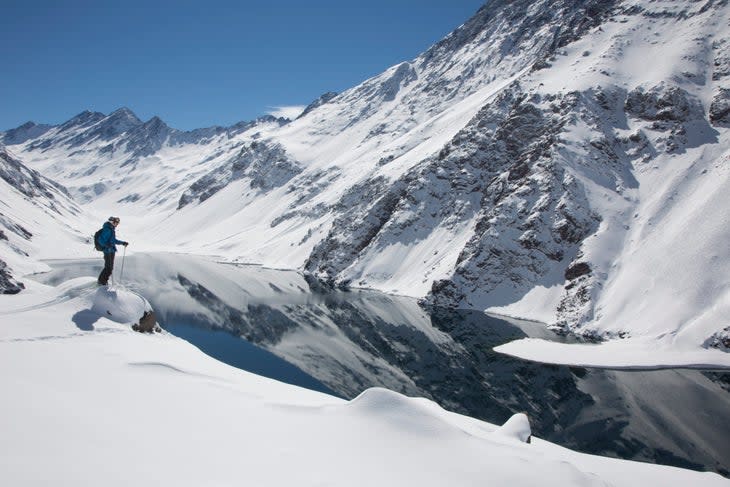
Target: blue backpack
<point x="97" y="244"/>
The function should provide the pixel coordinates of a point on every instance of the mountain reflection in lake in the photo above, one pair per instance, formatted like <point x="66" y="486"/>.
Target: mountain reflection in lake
<point x="344" y="342"/>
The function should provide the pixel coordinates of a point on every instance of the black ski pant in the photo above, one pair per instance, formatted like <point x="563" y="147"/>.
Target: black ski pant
<point x="108" y="268"/>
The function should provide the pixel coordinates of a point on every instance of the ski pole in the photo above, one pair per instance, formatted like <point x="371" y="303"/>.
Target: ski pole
<point x="121" y="273"/>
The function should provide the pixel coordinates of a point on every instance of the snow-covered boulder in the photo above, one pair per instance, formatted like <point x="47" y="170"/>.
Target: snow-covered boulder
<point x="517" y="427"/>
<point x="124" y="306"/>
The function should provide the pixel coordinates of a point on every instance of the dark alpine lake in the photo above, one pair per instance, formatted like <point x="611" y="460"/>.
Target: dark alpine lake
<point x="273" y="323"/>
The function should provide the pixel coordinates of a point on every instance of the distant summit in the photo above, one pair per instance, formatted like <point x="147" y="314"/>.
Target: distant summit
<point x="27" y="131"/>
<point x="325" y="98"/>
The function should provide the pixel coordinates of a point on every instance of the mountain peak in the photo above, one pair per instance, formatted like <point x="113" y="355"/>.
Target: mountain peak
<point x="156" y="122"/>
<point x="27" y="125"/>
<point x="85" y="118"/>
<point x="29" y="130"/>
<point x="124" y="113"/>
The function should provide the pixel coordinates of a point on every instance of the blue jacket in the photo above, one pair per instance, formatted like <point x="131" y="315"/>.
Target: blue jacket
<point x="108" y="238"/>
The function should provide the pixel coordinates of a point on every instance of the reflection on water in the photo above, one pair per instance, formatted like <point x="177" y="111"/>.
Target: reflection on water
<point x="244" y="355"/>
<point x="344" y="342"/>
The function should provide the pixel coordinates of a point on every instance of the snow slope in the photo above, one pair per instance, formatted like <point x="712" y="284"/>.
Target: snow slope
<point x="89" y="402"/>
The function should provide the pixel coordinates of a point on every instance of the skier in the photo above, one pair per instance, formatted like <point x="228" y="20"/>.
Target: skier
<point x="108" y="241"/>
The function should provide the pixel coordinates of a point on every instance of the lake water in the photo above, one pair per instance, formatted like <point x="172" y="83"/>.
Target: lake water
<point x="274" y="324"/>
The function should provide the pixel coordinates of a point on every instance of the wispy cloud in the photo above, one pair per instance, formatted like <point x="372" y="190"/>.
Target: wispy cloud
<point x="290" y="112"/>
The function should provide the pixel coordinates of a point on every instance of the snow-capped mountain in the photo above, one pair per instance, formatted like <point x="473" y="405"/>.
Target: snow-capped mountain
<point x="552" y="160"/>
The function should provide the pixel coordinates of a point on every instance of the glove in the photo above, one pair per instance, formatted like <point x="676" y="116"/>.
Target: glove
<point x="125" y="243"/>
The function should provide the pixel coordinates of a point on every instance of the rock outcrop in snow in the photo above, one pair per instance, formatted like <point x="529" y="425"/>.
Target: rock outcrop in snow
<point x="8" y="285"/>
<point x="265" y="166"/>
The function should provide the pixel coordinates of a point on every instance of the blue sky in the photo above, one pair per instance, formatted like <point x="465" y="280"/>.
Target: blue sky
<point x="197" y="64"/>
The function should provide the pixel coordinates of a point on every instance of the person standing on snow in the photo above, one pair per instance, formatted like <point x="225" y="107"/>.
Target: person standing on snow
<point x="108" y="241"/>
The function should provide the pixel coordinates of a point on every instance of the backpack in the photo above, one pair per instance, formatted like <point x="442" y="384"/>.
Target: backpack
<point x="97" y="244"/>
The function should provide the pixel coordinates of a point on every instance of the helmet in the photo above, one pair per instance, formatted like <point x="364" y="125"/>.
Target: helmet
<point x="114" y="219"/>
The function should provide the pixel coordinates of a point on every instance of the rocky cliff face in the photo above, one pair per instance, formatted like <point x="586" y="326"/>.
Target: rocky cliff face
<point x="533" y="212"/>
<point x="516" y="172"/>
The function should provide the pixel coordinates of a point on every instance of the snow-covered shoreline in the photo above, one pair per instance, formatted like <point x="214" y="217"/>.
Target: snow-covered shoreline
<point x="619" y="354"/>
<point x="641" y="353"/>
<point x="88" y="401"/>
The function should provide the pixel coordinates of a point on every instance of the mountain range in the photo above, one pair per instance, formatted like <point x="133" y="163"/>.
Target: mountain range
<point x="559" y="161"/>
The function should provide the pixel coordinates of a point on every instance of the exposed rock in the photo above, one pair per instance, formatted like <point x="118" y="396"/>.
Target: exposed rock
<point x="661" y="103"/>
<point x="721" y="63"/>
<point x="577" y="269"/>
<point x="264" y="164"/>
<point x="322" y="100"/>
<point x="535" y="203"/>
<point x="8" y="285"/>
<point x="720" y="340"/>
<point x="519" y="44"/>
<point x="147" y="323"/>
<point x="720" y="108"/>
<point x="671" y="110"/>
<point x="14" y="227"/>
<point x="402" y="77"/>
<point x="364" y="210"/>
<point x="24" y="179"/>
<point x="148" y="138"/>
